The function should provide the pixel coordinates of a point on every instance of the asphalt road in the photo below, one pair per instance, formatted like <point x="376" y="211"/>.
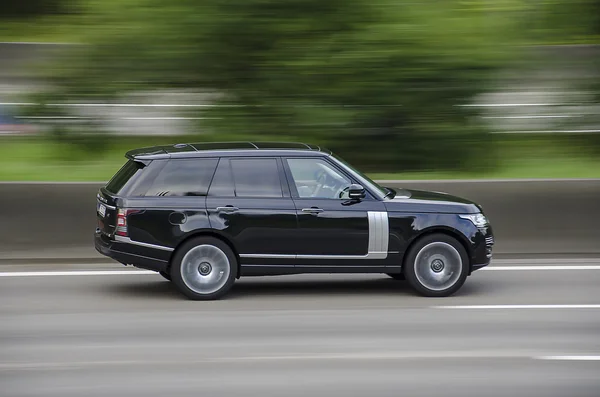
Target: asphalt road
<point x="534" y="331"/>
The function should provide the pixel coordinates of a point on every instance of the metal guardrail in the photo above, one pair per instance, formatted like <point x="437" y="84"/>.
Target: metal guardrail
<point x="529" y="217"/>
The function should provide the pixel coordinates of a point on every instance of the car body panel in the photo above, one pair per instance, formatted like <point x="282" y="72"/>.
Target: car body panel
<point x="282" y="235"/>
<point x="410" y="200"/>
<point x="257" y="227"/>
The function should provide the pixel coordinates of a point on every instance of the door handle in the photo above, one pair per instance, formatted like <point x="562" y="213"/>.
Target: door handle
<point x="312" y="210"/>
<point x="228" y="208"/>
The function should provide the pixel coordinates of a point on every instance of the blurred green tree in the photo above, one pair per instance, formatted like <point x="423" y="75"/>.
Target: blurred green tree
<point x="32" y="8"/>
<point x="382" y="83"/>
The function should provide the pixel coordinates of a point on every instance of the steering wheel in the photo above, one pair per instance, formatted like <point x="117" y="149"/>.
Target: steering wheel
<point x="328" y="181"/>
<point x="321" y="178"/>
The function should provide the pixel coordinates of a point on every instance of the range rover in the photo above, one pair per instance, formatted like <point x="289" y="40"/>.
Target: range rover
<point x="203" y="215"/>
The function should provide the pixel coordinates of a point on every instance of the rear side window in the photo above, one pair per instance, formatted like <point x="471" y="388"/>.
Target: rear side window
<point x="222" y="184"/>
<point x="190" y="177"/>
<point x="256" y="178"/>
<point x="119" y="181"/>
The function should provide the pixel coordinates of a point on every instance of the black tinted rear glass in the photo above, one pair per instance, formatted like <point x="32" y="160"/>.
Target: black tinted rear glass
<point x="124" y="175"/>
<point x="184" y="178"/>
<point x="256" y="178"/>
<point x="222" y="183"/>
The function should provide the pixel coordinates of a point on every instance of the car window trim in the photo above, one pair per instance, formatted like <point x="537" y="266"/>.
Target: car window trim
<point x="285" y="191"/>
<point x="212" y="180"/>
<point x="162" y="164"/>
<point x="294" y="189"/>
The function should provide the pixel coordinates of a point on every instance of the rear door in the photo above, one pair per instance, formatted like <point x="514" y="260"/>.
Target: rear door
<point x="174" y="205"/>
<point x="249" y="201"/>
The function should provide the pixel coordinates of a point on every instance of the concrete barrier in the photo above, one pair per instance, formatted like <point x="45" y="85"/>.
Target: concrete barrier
<point x="42" y="221"/>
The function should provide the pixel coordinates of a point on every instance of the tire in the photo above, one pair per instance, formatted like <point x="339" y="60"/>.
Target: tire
<point x="397" y="276"/>
<point x="165" y="275"/>
<point x="437" y="265"/>
<point x="204" y="268"/>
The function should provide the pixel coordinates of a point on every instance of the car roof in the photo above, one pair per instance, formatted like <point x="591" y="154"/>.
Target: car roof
<point x="215" y="149"/>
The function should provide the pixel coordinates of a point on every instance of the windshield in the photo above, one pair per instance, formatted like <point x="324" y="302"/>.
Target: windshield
<point x="365" y="180"/>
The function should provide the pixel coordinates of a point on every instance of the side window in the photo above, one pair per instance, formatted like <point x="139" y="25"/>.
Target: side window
<point x="316" y="178"/>
<point x="189" y="177"/>
<point x="256" y="178"/>
<point x="126" y="174"/>
<point x="222" y="184"/>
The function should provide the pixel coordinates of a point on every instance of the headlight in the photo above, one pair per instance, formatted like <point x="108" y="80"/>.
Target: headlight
<point x="478" y="220"/>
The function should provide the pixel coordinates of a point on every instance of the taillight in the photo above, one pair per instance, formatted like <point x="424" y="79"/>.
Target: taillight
<point x="122" y="221"/>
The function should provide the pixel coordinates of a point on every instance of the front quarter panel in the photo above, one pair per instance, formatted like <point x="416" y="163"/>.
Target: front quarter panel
<point x="405" y="228"/>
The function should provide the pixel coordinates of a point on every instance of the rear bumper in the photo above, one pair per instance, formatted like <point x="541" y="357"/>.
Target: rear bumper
<point x="119" y="251"/>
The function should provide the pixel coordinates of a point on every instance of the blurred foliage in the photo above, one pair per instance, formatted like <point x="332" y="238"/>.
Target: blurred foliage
<point x="378" y="82"/>
<point x="10" y="9"/>
<point x="45" y="159"/>
<point x="384" y="76"/>
<point x="564" y="21"/>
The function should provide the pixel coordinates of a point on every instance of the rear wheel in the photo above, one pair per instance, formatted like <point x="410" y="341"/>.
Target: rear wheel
<point x="437" y="265"/>
<point x="204" y="268"/>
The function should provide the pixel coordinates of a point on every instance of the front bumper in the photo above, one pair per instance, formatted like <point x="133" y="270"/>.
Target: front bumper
<point x="477" y="266"/>
<point x="483" y="255"/>
<point x="119" y="251"/>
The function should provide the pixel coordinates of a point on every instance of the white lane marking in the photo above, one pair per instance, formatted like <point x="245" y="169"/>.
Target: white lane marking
<point x="492" y="307"/>
<point x="546" y="260"/>
<point x="76" y="273"/>
<point x="540" y="267"/>
<point x="568" y="358"/>
<point x="375" y="356"/>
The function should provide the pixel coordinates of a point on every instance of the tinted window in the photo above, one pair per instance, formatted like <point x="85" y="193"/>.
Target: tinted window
<point x="256" y="178"/>
<point x="124" y="175"/>
<point x="184" y="178"/>
<point x="318" y="179"/>
<point x="222" y="184"/>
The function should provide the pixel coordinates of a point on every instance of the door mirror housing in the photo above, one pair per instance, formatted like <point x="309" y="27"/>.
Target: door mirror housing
<point x="356" y="192"/>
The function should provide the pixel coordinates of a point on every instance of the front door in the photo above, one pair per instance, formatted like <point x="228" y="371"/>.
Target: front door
<point x="332" y="229"/>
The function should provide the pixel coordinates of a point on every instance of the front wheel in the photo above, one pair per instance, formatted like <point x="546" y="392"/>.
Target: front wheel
<point x="204" y="268"/>
<point x="437" y="265"/>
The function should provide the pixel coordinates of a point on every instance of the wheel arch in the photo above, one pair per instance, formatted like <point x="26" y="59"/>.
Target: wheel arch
<point x="206" y="233"/>
<point x="441" y="230"/>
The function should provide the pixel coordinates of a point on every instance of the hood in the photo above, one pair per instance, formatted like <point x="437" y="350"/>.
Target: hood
<point x="410" y="200"/>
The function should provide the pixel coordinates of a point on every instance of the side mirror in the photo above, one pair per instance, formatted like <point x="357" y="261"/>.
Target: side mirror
<point x="356" y="192"/>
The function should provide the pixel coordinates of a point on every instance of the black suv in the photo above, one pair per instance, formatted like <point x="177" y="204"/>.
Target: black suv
<point x="205" y="214"/>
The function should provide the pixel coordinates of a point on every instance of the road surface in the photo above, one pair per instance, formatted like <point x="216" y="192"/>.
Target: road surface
<point x="519" y="328"/>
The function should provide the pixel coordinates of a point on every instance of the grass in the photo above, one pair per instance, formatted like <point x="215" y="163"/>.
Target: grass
<point x="49" y="29"/>
<point x="36" y="159"/>
<point x="543" y="168"/>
